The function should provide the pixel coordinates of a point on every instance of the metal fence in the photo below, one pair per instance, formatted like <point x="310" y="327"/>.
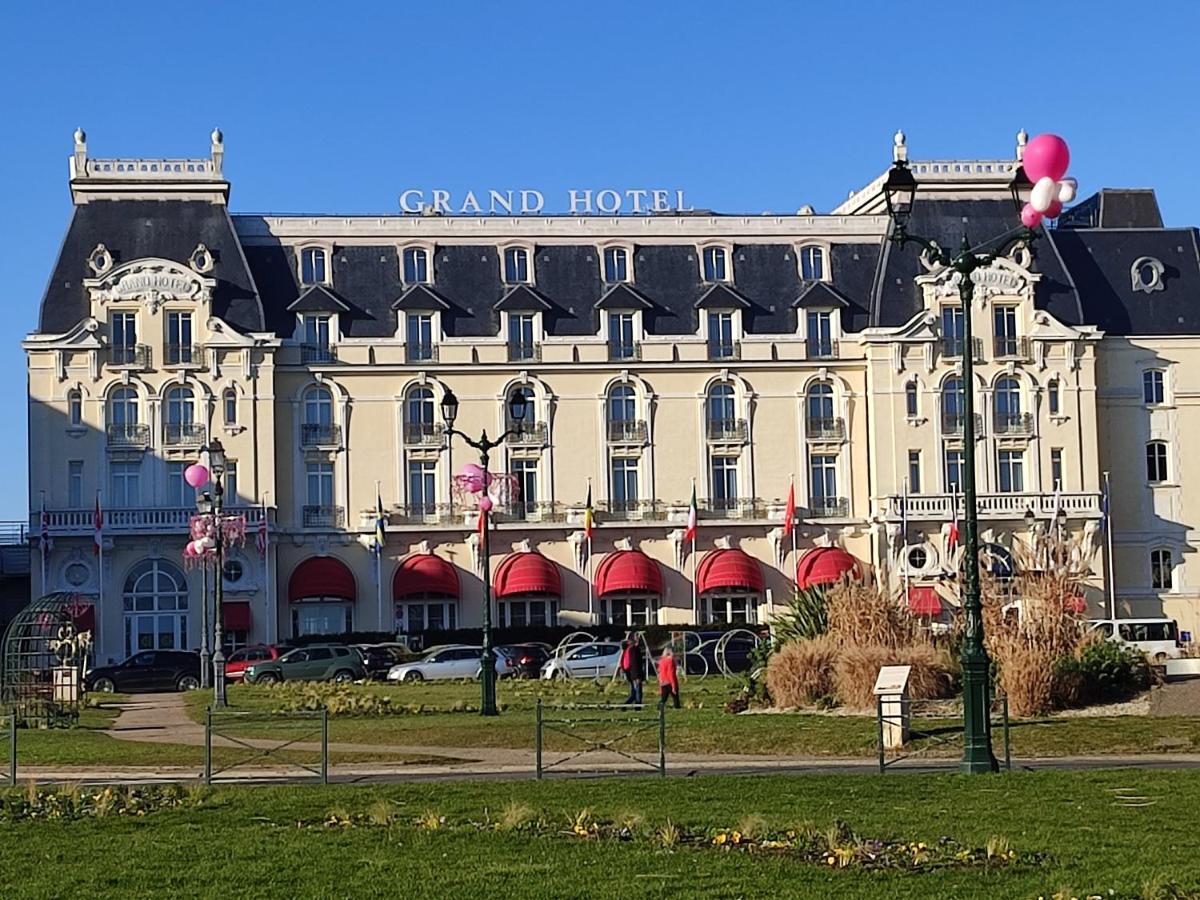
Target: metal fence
<point x="944" y="727"/>
<point x="12" y="747"/>
<point x="297" y="728"/>
<point x="628" y="721"/>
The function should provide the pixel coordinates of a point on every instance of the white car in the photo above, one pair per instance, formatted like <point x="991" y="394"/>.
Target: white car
<point x="447" y="662"/>
<point x="599" y="659"/>
<point x="1157" y="638"/>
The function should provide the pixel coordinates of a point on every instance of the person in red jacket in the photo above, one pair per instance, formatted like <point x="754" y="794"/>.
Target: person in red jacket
<point x="668" y="678"/>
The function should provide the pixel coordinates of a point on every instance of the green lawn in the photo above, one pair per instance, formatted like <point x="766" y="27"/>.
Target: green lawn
<point x="1126" y="832"/>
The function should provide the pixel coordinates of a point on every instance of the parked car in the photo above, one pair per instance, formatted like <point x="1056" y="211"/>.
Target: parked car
<point x="317" y="662"/>
<point x="526" y="660"/>
<point x="239" y="660"/>
<point x="378" y="659"/>
<point x="598" y="659"/>
<point x="448" y="661"/>
<point x="1157" y="638"/>
<point x="148" y="670"/>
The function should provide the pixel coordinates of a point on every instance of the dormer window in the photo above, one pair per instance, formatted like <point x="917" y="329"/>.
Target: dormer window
<point x="812" y="263"/>
<point x="312" y="265"/>
<point x="516" y="265"/>
<point x="715" y="267"/>
<point x="416" y="265"/>
<point x="722" y="339"/>
<point x="1146" y="275"/>
<point x="616" y="265"/>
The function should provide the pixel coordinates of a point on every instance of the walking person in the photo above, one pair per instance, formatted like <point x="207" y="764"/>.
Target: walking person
<point x="633" y="664"/>
<point x="668" y="677"/>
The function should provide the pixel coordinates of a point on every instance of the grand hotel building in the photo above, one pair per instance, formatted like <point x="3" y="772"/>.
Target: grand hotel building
<point x="738" y="352"/>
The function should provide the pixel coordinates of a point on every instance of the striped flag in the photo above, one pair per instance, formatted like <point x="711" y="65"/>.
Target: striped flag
<point x="693" y="516"/>
<point x="98" y="522"/>
<point x="589" y="516"/>
<point x="262" y="538"/>
<point x="380" y="523"/>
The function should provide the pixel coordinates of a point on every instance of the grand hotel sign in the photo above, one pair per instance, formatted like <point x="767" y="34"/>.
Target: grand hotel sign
<point x="528" y="202"/>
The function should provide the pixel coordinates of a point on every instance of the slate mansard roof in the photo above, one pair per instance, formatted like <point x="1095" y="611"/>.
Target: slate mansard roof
<point x="1085" y="263"/>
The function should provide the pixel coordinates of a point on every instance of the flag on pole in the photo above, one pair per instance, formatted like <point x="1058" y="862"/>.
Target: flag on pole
<point x="261" y="540"/>
<point x="693" y="515"/>
<point x="1104" y="504"/>
<point x="482" y="517"/>
<point x="589" y="516"/>
<point x="98" y="522"/>
<point x="47" y="542"/>
<point x="953" y="538"/>
<point x="380" y="523"/>
<point x="789" y="512"/>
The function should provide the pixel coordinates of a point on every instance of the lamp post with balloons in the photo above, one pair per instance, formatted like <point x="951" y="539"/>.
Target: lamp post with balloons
<point x="477" y="480"/>
<point x="1041" y="175"/>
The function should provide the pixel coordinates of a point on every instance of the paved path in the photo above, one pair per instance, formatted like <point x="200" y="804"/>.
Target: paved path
<point x="1176" y="698"/>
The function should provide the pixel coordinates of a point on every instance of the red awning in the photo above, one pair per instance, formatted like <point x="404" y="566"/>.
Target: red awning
<point x="527" y="573"/>
<point x="235" y="615"/>
<point x="425" y="573"/>
<point x="321" y="576"/>
<point x="728" y="569"/>
<point x="825" y="565"/>
<point x="924" y="600"/>
<point x="83" y="615"/>
<point x="628" y="570"/>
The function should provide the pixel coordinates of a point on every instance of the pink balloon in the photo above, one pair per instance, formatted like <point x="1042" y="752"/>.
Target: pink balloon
<point x="1054" y="209"/>
<point x="189" y="550"/>
<point x="1046" y="156"/>
<point x="1030" y="217"/>
<point x="485" y="503"/>
<point x="196" y="475"/>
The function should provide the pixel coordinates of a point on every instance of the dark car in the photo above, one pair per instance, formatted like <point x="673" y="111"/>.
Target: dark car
<point x="702" y="658"/>
<point x="148" y="670"/>
<point x="526" y="660"/>
<point x="317" y="662"/>
<point x="379" y="658"/>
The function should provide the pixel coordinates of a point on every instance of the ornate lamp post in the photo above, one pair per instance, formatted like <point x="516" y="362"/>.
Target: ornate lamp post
<point x="900" y="192"/>
<point x="216" y="464"/>
<point x="517" y="407"/>
<point x="204" y="507"/>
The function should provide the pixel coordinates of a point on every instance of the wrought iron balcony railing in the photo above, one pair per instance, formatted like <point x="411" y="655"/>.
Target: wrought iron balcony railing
<point x="317" y="353"/>
<point x="727" y="430"/>
<point x="519" y="351"/>
<point x="129" y="356"/>
<point x="323" y="516"/>
<point x="952" y="348"/>
<point x="821" y="349"/>
<point x="619" y="350"/>
<point x="731" y="508"/>
<point x="424" y="434"/>
<point x="1014" y="423"/>
<point x="530" y="434"/>
<point x="184" y="356"/>
<point x="627" y="510"/>
<point x="825" y="428"/>
<point x="626" y="431"/>
<point x="416" y="352"/>
<point x="953" y="424"/>
<point x="828" y="507"/>
<point x="183" y="434"/>
<point x="724" y="350"/>
<point x="1011" y="348"/>
<point x="320" y="435"/>
<point x="132" y="436"/>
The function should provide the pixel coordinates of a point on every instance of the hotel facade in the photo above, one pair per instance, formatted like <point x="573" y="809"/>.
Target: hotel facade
<point x="742" y="354"/>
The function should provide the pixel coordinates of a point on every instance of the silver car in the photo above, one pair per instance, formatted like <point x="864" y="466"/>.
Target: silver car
<point x="446" y="663"/>
<point x="599" y="659"/>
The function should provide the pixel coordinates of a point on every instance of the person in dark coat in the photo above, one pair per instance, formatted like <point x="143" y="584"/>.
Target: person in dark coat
<point x="633" y="664"/>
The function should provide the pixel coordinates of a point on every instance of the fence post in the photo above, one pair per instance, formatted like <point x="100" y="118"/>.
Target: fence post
<point x="12" y="747"/>
<point x="662" y="740"/>
<point x="879" y="728"/>
<point x="208" y="746"/>
<point x="324" y="745"/>
<point x="1007" y="746"/>
<point x="538" y="741"/>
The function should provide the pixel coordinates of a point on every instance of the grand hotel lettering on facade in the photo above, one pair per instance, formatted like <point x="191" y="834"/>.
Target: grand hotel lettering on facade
<point x="737" y="350"/>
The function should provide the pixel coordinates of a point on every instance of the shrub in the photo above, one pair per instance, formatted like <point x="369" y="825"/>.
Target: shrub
<point x="932" y="673"/>
<point x="1110" y="671"/>
<point x="863" y="615"/>
<point x="801" y="672"/>
<point x="806" y="617"/>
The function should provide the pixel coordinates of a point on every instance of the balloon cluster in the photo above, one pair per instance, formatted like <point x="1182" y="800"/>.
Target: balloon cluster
<point x="1046" y="159"/>
<point x="203" y="531"/>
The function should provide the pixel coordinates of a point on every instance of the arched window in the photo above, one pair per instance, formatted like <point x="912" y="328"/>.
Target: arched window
<point x="416" y="265"/>
<point x="953" y="404"/>
<point x="156" y="607"/>
<point x="1153" y="387"/>
<point x="75" y="406"/>
<point x="531" y="414"/>
<point x="911" y="407"/>
<point x="714" y="264"/>
<point x="1161" y="570"/>
<point x="516" y="265"/>
<point x="123" y="407"/>
<point x="312" y="266"/>
<point x="318" y="407"/>
<point x="720" y="411"/>
<point x="1054" y="397"/>
<point x="812" y="263"/>
<point x="1156" y="461"/>
<point x="1008" y="405"/>
<point x="818" y="409"/>
<point x="230" y="399"/>
<point x="180" y="415"/>
<point x="420" y="424"/>
<point x="621" y="408"/>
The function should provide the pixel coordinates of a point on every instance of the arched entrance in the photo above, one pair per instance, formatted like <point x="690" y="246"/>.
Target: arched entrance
<point x="322" y="595"/>
<point x="156" y="607"/>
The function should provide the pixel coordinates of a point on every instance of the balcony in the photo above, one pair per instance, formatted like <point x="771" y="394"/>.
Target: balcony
<point x="952" y="425"/>
<point x="626" y="431"/>
<point x="619" y="351"/>
<point x="129" y="437"/>
<point x="317" y="353"/>
<point x="731" y="508"/>
<point x="821" y="349"/>
<point x="524" y="352"/>
<point x="952" y="348"/>
<point x="719" y="350"/>
<point x="183" y="434"/>
<point x="1011" y="348"/>
<point x="424" y="434"/>
<point x="633" y="510"/>
<point x="727" y="430"/>
<point x="825" y="429"/>
<point x="828" y="508"/>
<point x="323" y="516"/>
<point x="937" y="507"/>
<point x="415" y="352"/>
<point x="531" y="434"/>
<point x="184" y="356"/>
<point x="431" y="513"/>
<point x="135" y="520"/>
<point x="1019" y="424"/>
<point x="318" y="435"/>
<point x="135" y="357"/>
<point x="532" y="511"/>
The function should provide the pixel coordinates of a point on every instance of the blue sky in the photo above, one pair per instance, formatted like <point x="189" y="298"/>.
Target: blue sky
<point x="748" y="107"/>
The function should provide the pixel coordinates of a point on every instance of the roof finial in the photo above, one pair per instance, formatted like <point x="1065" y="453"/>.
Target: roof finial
<point x="218" y="150"/>
<point x="899" y="149"/>
<point x="217" y="137"/>
<point x="1022" y="140"/>
<point x="80" y="137"/>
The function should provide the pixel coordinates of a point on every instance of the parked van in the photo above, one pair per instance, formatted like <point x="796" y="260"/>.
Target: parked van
<point x="1157" y="638"/>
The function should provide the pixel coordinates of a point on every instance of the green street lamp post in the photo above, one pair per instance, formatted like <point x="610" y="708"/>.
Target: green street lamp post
<point x="900" y="191"/>
<point x="517" y="407"/>
<point x="213" y="505"/>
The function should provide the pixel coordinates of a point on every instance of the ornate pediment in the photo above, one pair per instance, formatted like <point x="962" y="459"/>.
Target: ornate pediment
<point x="1007" y="276"/>
<point x="151" y="281"/>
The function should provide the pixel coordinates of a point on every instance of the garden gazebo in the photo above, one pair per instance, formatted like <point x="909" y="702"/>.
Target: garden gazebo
<point x="43" y="655"/>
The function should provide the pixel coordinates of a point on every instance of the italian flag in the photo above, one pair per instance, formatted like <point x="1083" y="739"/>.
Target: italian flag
<point x="690" y="533"/>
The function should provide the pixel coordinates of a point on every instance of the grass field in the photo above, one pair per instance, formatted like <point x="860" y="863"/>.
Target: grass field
<point x="1128" y="833"/>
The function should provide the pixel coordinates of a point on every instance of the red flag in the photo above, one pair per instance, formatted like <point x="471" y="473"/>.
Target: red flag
<point x="952" y="540"/>
<point x="482" y="521"/>
<point x="789" y="513"/>
<point x="98" y="522"/>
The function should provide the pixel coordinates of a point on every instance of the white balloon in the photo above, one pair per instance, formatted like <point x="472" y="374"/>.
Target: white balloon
<point x="1043" y="193"/>
<point x="208" y="543"/>
<point x="1066" y="190"/>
